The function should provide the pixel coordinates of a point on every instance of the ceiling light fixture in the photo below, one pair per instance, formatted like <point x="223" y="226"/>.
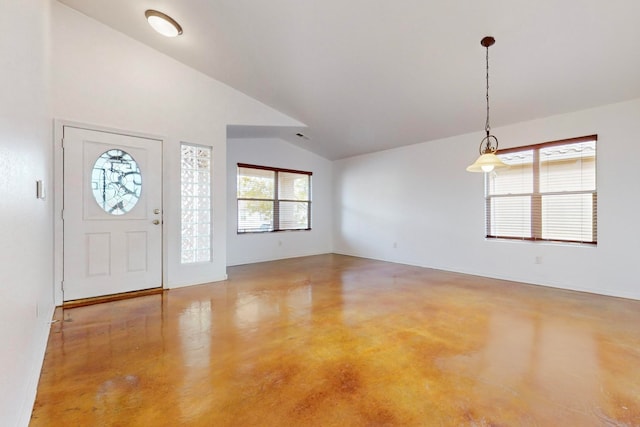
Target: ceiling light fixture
<point x="164" y="24"/>
<point x="488" y="160"/>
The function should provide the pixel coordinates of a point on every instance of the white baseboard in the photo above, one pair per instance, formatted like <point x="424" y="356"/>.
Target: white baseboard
<point x="276" y="258"/>
<point x="196" y="282"/>
<point x="35" y="367"/>
<point x="597" y="291"/>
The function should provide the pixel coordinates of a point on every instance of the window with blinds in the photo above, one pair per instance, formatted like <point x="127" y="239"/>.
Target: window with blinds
<point x="273" y="199"/>
<point x="548" y="193"/>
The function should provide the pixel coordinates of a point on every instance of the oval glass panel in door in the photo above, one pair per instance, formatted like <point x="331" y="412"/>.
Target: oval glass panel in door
<point x="116" y="182"/>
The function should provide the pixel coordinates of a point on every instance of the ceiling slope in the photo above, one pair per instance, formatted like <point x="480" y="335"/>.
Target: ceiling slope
<point x="368" y="75"/>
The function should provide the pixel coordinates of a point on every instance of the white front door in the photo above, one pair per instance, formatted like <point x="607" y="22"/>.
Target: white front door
<point x="112" y="213"/>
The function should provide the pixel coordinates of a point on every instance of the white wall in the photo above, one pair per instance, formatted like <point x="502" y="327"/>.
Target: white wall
<point x="421" y="199"/>
<point x="248" y="248"/>
<point x="103" y="77"/>
<point x="26" y="227"/>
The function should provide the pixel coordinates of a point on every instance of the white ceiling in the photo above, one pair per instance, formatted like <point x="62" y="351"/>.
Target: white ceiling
<point x="367" y="75"/>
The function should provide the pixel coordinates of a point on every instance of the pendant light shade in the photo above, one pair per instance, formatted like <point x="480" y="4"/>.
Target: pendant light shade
<point x="488" y="161"/>
<point x="163" y="24"/>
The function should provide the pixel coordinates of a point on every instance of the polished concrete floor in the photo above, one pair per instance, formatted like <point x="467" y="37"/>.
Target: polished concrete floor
<point x="341" y="341"/>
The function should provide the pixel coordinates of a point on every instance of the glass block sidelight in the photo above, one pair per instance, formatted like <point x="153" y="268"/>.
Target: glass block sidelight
<point x="196" y="218"/>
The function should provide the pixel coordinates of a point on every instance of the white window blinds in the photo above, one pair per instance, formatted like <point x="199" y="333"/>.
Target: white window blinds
<point x="548" y="193"/>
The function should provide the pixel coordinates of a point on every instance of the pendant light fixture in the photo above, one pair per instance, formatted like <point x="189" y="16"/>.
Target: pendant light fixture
<point x="162" y="23"/>
<point x="488" y="160"/>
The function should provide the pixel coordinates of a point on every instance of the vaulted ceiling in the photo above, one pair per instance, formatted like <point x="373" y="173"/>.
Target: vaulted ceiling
<point x="368" y="75"/>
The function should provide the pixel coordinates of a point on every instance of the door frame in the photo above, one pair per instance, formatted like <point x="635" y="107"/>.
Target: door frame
<point x="58" y="198"/>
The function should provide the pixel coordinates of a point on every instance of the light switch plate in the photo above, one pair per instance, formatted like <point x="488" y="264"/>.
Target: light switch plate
<point x="40" y="190"/>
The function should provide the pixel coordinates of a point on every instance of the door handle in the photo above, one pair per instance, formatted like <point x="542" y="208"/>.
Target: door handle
<point x="156" y="221"/>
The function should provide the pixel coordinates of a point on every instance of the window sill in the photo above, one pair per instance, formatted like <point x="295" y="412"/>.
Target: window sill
<point x="271" y="231"/>
<point x="542" y="242"/>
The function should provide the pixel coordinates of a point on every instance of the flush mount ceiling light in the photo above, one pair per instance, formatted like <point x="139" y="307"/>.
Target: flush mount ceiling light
<point x="488" y="160"/>
<point x="164" y="24"/>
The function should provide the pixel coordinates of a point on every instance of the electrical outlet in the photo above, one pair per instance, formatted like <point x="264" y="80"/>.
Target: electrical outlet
<point x="538" y="259"/>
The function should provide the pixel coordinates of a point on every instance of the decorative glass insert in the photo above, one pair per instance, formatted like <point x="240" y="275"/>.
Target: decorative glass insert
<point x="196" y="203"/>
<point x="116" y="182"/>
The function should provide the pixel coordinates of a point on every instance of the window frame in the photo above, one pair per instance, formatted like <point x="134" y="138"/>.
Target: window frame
<point x="536" y="195"/>
<point x="276" y="200"/>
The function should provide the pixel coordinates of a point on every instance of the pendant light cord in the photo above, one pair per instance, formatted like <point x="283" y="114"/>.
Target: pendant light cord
<point x="487" y="126"/>
<point x="488" y="161"/>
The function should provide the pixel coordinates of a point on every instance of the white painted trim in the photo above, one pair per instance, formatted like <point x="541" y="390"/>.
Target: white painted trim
<point x="58" y="202"/>
<point x="35" y="368"/>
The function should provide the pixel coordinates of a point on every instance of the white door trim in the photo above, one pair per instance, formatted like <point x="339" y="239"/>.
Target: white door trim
<point x="58" y="194"/>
